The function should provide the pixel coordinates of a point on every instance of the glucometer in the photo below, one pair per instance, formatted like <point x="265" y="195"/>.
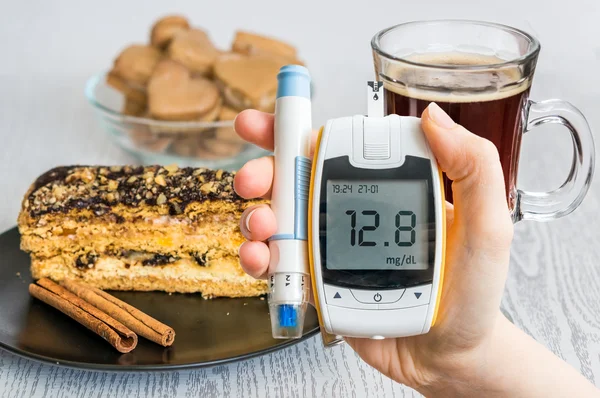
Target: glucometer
<point x="376" y="225"/>
<point x="368" y="215"/>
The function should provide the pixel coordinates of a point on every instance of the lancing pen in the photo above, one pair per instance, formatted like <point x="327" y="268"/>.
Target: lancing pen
<point x="289" y="278"/>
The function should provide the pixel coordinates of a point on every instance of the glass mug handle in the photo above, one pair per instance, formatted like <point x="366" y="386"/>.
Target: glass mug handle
<point x="546" y="206"/>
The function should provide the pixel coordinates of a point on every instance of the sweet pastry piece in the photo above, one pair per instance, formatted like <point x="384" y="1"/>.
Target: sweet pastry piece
<point x="135" y="65"/>
<point x="193" y="146"/>
<point x="194" y="50"/>
<point x="213" y="144"/>
<point x="133" y="106"/>
<point x="227" y="113"/>
<point x="225" y="142"/>
<point x="219" y="143"/>
<point x="248" y="81"/>
<point x="137" y="228"/>
<point x="251" y="44"/>
<point x="225" y="148"/>
<point x="173" y="94"/>
<point x="145" y="138"/>
<point x="133" y="93"/>
<point x="165" y="28"/>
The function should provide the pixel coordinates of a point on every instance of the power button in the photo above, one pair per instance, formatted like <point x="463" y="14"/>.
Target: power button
<point x="376" y="297"/>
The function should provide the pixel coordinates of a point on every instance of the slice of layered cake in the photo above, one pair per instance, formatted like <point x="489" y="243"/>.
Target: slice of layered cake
<point x="137" y="228"/>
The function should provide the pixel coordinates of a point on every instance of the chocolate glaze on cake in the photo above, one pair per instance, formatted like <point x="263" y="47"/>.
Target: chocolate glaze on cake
<point x="99" y="189"/>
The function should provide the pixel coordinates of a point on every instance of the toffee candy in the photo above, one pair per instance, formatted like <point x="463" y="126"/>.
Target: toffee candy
<point x="173" y="94"/>
<point x="248" y="81"/>
<point x="135" y="64"/>
<point x="194" y="50"/>
<point x="252" y="44"/>
<point x="165" y="28"/>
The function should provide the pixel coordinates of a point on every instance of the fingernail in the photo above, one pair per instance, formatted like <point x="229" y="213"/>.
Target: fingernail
<point x="248" y="220"/>
<point x="439" y="117"/>
<point x="234" y="119"/>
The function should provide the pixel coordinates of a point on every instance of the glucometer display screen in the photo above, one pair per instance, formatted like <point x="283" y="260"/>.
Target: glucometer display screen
<point x="377" y="225"/>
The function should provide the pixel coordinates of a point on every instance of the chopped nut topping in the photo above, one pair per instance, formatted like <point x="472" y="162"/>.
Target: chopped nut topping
<point x="84" y="175"/>
<point x="171" y="168"/>
<point x="101" y="188"/>
<point x="208" y="188"/>
<point x="160" y="180"/>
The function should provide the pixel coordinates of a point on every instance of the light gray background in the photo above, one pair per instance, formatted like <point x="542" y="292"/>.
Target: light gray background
<point x="49" y="49"/>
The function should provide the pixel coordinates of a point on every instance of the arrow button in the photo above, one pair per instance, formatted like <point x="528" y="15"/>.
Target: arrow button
<point x="413" y="297"/>
<point x="341" y="297"/>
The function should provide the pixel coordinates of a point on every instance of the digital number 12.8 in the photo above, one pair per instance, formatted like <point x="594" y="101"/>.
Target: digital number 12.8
<point x="400" y="220"/>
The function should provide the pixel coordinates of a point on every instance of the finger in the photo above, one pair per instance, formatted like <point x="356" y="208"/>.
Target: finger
<point x="258" y="223"/>
<point x="472" y="162"/>
<point x="255" y="127"/>
<point x="254" y="259"/>
<point x="255" y="179"/>
<point x="258" y="128"/>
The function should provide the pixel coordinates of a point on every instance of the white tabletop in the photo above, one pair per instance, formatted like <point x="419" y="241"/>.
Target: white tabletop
<point x="51" y="47"/>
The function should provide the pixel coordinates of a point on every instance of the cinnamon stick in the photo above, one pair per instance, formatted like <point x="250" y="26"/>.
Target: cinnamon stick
<point x="141" y="323"/>
<point x="111" y="330"/>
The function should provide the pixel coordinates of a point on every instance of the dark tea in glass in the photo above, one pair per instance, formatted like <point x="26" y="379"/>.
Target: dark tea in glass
<point x="483" y="110"/>
<point x="480" y="73"/>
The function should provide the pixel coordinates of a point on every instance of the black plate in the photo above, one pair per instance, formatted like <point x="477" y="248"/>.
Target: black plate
<point x="208" y="332"/>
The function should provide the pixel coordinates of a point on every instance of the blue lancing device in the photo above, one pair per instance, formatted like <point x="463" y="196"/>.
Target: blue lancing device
<point x="289" y="279"/>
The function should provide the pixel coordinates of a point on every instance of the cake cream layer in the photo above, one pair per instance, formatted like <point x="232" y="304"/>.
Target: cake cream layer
<point x="63" y="233"/>
<point x="222" y="277"/>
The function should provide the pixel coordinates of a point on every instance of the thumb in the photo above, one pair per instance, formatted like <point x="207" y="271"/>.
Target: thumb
<point x="481" y="214"/>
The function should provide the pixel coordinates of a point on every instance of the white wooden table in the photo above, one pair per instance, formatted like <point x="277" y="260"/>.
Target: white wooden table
<point x="50" y="48"/>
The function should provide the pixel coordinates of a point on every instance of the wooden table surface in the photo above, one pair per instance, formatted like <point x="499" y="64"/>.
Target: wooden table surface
<point x="50" y="48"/>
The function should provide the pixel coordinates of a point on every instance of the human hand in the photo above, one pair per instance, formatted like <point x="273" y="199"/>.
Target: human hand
<point x="479" y="234"/>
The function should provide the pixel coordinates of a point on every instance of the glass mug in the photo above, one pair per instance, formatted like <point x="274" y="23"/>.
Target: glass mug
<point x="480" y="73"/>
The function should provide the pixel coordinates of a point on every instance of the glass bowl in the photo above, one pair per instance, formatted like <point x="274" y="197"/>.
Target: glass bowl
<point x="188" y="144"/>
